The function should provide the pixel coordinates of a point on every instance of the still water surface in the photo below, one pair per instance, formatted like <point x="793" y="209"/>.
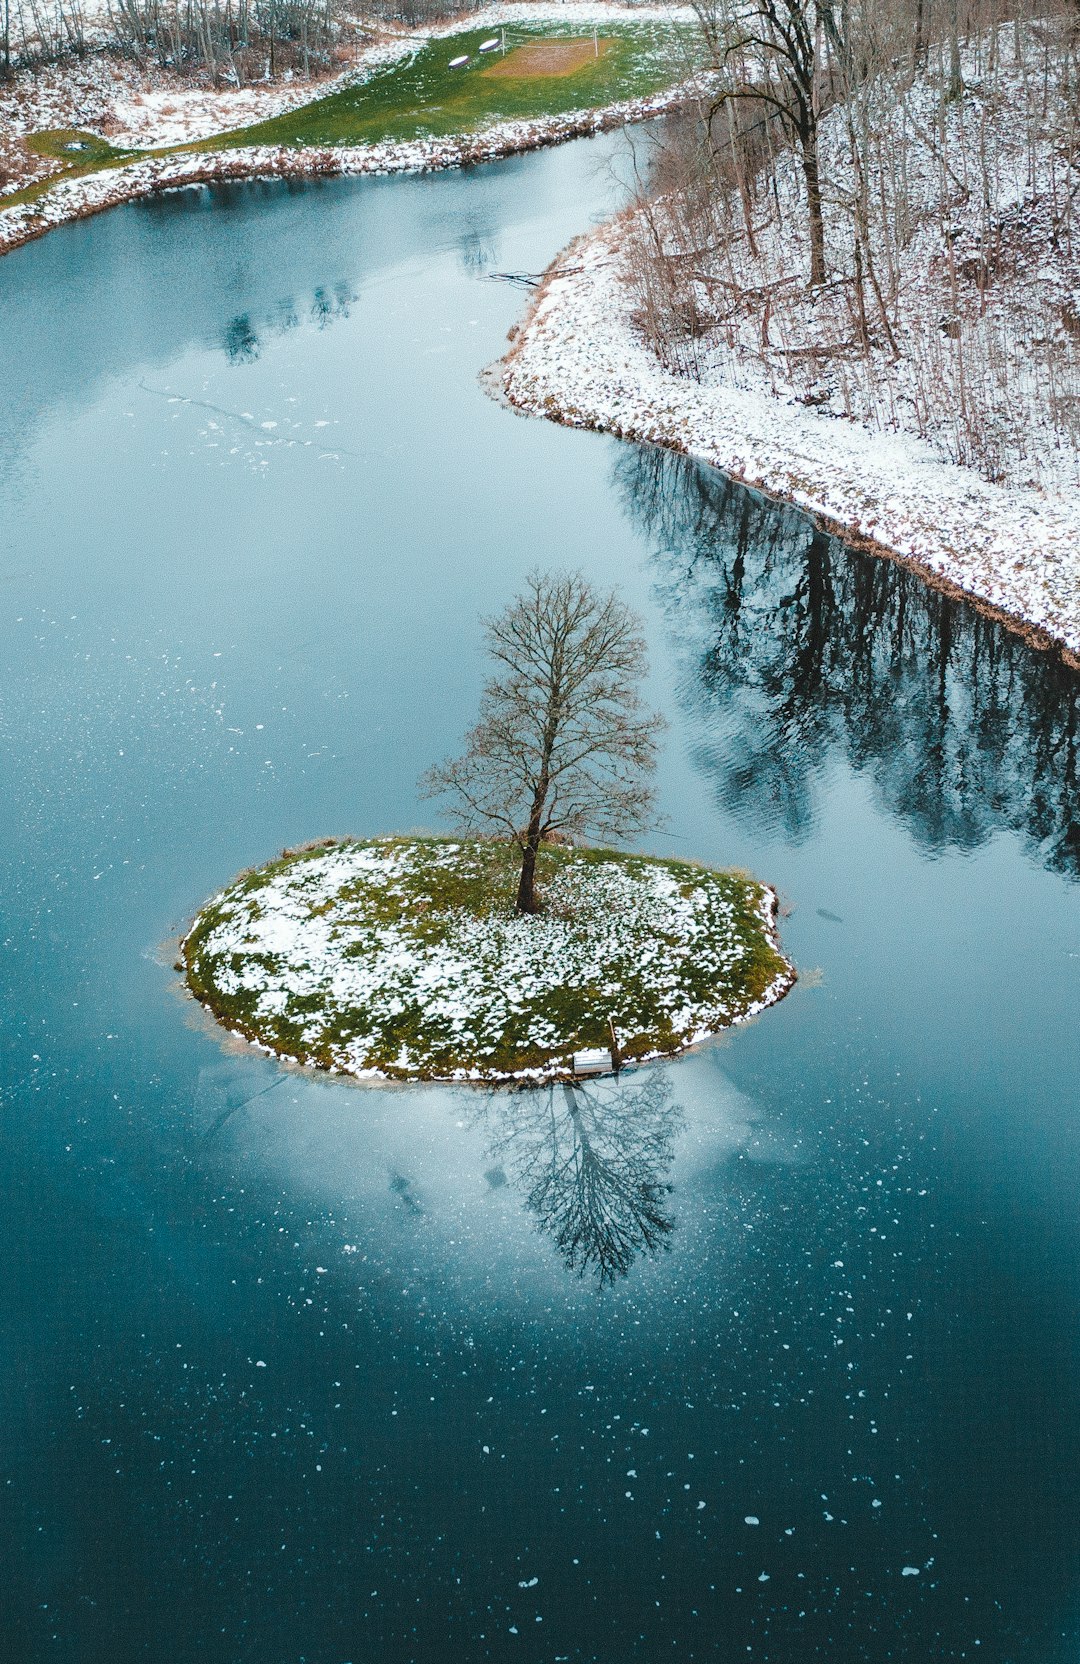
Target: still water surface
<point x="295" y="1371"/>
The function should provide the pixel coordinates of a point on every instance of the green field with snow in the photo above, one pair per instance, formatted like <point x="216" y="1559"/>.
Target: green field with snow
<point x="404" y="957"/>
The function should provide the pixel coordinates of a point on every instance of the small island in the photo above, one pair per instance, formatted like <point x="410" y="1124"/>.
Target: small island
<point x="404" y="958"/>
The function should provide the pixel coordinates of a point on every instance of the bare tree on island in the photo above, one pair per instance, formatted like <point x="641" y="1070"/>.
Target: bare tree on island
<point x="563" y="745"/>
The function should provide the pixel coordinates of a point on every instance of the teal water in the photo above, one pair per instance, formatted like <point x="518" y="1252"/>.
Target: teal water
<point x="305" y="1373"/>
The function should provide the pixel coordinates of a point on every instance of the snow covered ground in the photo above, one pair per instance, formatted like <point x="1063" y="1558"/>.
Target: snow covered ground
<point x="969" y="333"/>
<point x="1015" y="550"/>
<point x="181" y="115"/>
<point x="357" y="956"/>
<point x="142" y="106"/>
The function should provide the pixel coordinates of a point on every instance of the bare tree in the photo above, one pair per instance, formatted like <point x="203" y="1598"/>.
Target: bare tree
<point x="948" y="307"/>
<point x="563" y="745"/>
<point x="773" y="51"/>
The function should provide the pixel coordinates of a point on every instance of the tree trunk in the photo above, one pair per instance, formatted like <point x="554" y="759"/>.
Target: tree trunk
<point x="956" y="77"/>
<point x="526" y="896"/>
<point x="813" y="208"/>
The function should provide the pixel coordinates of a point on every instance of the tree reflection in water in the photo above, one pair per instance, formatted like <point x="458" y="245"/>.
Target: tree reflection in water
<point x="794" y="649"/>
<point x="592" y="1163"/>
<point x="244" y="337"/>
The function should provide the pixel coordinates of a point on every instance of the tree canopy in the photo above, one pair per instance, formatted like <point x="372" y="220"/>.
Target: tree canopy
<point x="563" y="745"/>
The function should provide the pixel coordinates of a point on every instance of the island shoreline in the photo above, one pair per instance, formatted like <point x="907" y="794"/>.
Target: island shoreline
<point x="236" y="1030"/>
<point x="521" y="1081"/>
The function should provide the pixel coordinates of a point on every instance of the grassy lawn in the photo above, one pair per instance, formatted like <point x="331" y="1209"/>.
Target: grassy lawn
<point x="422" y="97"/>
<point x="80" y="153"/>
<point x="404" y="957"/>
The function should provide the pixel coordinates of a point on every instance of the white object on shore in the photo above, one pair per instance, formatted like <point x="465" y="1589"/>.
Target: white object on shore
<point x="489" y="45"/>
<point x="594" y="1060"/>
<point x="456" y="63"/>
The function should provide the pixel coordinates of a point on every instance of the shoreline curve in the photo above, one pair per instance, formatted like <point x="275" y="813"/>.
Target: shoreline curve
<point x="324" y="957"/>
<point x="576" y="359"/>
<point x="95" y="193"/>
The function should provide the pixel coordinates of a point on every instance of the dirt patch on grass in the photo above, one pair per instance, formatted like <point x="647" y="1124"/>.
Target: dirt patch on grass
<point x="549" y="58"/>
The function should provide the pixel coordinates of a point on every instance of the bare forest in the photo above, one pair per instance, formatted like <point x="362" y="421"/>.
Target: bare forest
<point x="232" y="42"/>
<point x="873" y="210"/>
<point x="235" y="41"/>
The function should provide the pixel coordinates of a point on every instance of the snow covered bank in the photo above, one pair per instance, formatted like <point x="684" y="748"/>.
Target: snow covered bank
<point x="78" y="198"/>
<point x="1014" y="551"/>
<point x="402" y="958"/>
<point x="133" y="105"/>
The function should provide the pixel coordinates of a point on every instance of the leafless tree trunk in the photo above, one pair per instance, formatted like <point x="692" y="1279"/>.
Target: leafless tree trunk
<point x="771" y="53"/>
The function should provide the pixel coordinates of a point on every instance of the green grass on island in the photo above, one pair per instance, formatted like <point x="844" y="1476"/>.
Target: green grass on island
<point x="404" y="957"/>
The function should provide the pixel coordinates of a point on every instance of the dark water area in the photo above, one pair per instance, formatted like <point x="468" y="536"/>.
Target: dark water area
<point x="771" y="1352"/>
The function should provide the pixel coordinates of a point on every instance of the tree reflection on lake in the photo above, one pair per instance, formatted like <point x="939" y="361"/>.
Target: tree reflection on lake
<point x="243" y="338"/>
<point x="592" y="1164"/>
<point x="793" y="648"/>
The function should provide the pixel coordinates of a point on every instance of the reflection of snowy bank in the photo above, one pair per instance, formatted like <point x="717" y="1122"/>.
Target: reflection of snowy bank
<point x="79" y="198"/>
<point x="1014" y="552"/>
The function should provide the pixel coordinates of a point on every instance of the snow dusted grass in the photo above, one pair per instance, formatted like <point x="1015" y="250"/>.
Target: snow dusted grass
<point x="403" y="957"/>
<point x="397" y="109"/>
<point x="1012" y="549"/>
<point x="420" y="96"/>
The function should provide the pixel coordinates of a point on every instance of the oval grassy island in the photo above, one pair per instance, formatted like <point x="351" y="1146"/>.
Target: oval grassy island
<point x="402" y="958"/>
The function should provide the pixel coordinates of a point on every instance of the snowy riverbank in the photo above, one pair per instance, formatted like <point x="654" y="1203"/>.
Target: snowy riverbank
<point x="78" y="198"/>
<point x="141" y="108"/>
<point x="1013" y="551"/>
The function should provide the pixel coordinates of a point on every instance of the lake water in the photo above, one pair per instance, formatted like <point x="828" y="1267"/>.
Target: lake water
<point x="305" y="1373"/>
